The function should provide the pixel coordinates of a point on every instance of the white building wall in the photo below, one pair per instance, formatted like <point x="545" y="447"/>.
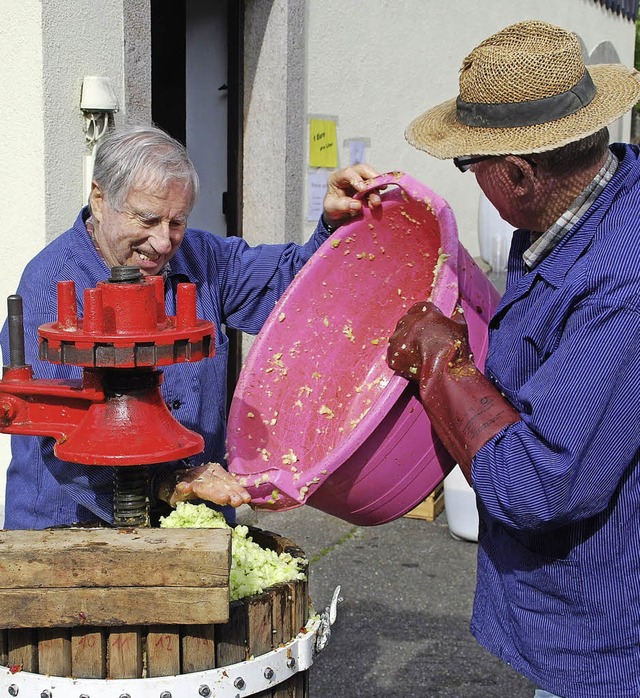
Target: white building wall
<point x="48" y="47"/>
<point x="377" y="67"/>
<point x="22" y="129"/>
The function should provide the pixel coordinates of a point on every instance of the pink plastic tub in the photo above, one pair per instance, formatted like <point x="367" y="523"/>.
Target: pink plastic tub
<point x="318" y="417"/>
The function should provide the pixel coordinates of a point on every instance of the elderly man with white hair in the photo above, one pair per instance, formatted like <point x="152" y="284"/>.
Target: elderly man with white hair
<point x="144" y="187"/>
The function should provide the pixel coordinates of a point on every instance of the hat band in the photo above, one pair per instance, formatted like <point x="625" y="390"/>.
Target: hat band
<point x="531" y="113"/>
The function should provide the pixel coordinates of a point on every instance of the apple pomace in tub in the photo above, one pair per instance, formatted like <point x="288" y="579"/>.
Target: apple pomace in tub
<point x="317" y="416"/>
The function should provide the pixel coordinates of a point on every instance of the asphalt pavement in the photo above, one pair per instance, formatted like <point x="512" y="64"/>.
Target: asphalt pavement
<point x="402" y="629"/>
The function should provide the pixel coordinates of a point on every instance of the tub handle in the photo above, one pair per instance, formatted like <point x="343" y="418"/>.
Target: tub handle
<point x="381" y="182"/>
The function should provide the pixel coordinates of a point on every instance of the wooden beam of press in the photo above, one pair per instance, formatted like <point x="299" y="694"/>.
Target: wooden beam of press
<point x="109" y="577"/>
<point x="100" y="557"/>
<point x="115" y="606"/>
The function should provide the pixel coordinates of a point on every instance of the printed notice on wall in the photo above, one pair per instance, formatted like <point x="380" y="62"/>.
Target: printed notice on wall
<point x="356" y="150"/>
<point x="317" y="189"/>
<point x="323" y="143"/>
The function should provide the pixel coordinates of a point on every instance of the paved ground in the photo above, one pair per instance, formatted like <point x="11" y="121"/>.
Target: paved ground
<point x="403" y="628"/>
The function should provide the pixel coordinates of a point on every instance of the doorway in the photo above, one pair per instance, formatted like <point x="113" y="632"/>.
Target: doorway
<point x="196" y="96"/>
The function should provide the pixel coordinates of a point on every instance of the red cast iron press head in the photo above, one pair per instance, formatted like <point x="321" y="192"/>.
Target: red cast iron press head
<point x="115" y="414"/>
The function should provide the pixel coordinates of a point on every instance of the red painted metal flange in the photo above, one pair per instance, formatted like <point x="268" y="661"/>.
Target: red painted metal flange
<point x="115" y="414"/>
<point x="125" y="326"/>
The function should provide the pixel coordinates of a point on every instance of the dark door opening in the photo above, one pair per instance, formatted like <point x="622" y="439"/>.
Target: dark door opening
<point x="186" y="37"/>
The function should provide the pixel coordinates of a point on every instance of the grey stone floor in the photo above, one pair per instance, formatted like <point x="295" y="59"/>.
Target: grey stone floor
<point x="403" y="626"/>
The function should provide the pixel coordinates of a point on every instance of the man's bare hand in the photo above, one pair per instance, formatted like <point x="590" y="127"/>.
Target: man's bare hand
<point x="342" y="186"/>
<point x="210" y="482"/>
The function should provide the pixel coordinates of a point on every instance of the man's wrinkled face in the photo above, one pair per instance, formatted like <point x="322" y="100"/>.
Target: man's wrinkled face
<point x="492" y="177"/>
<point x="148" y="230"/>
<point x="513" y="185"/>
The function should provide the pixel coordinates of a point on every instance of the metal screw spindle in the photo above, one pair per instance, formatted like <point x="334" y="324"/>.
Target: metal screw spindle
<point x="130" y="503"/>
<point x="165" y="694"/>
<point x="291" y="662"/>
<point x="269" y="673"/>
<point x="204" y="691"/>
<point x="45" y="694"/>
<point x="13" y="690"/>
<point x="125" y="275"/>
<point x="239" y="683"/>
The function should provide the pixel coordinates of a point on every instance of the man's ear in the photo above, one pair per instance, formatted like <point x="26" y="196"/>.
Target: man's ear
<point x="522" y="175"/>
<point x="96" y="201"/>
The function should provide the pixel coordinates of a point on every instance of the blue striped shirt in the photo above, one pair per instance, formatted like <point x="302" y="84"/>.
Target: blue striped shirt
<point x="237" y="285"/>
<point x="558" y="594"/>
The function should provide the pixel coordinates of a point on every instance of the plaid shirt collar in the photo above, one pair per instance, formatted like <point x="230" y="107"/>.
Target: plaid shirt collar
<point x="543" y="244"/>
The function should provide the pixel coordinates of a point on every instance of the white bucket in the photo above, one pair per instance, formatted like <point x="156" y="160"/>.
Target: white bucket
<point x="460" y="506"/>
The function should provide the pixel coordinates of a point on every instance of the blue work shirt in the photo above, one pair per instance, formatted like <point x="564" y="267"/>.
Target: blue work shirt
<point x="558" y="593"/>
<point x="236" y="285"/>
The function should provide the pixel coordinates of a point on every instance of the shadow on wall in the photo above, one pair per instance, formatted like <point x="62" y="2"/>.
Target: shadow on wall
<point x="605" y="52"/>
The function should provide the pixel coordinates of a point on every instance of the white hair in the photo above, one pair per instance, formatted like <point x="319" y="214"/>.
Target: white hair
<point x="134" y="156"/>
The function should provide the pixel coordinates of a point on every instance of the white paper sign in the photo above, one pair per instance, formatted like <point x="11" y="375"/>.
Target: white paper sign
<point x="317" y="190"/>
<point x="356" y="151"/>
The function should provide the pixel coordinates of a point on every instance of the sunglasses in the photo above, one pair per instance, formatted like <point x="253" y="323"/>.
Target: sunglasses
<point x="464" y="164"/>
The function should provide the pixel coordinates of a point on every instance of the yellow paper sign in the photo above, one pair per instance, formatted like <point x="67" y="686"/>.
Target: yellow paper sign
<point x="323" y="143"/>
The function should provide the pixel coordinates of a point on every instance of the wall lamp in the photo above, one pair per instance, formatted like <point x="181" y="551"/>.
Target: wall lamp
<point x="98" y="103"/>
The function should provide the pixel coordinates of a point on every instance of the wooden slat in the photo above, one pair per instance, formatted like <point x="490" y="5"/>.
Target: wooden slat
<point x="54" y="652"/>
<point x="259" y="619"/>
<point x="282" y="620"/>
<point x="300" y="615"/>
<point x="88" y="653"/>
<point x="154" y="557"/>
<point x="4" y="657"/>
<point x="41" y="608"/>
<point x="4" y="651"/>
<point x="231" y="645"/>
<point x="163" y="650"/>
<point x="124" y="653"/>
<point x="22" y="647"/>
<point x="198" y="648"/>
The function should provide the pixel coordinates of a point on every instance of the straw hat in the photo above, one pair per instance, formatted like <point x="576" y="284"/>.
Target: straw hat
<point x="525" y="90"/>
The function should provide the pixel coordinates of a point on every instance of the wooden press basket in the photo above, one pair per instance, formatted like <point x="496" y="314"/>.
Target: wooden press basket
<point x="137" y="604"/>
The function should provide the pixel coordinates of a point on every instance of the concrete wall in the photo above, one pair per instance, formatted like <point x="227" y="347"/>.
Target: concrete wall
<point x="274" y="120"/>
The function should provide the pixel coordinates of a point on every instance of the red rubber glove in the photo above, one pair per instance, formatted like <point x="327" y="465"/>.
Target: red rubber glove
<point x="464" y="408"/>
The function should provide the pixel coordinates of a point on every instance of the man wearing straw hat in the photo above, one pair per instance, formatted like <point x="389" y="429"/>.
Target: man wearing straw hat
<point x="549" y="436"/>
